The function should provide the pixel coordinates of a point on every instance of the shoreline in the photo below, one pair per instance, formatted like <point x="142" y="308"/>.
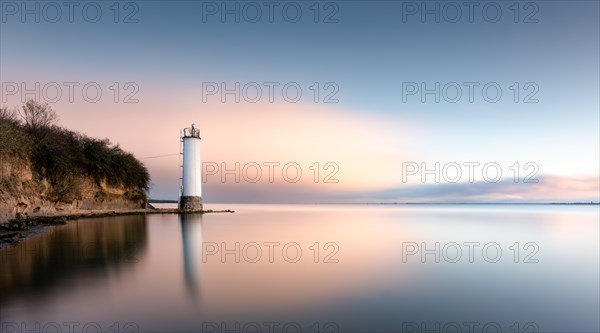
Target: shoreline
<point x="14" y="231"/>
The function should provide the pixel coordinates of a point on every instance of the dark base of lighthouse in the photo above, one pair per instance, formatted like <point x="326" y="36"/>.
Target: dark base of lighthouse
<point x="190" y="203"/>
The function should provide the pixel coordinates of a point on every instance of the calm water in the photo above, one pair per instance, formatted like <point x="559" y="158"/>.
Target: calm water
<point x="322" y="268"/>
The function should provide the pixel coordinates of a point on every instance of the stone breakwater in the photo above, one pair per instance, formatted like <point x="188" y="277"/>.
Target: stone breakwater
<point x="15" y="230"/>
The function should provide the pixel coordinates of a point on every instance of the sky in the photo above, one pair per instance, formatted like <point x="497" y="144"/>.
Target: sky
<point x="326" y="101"/>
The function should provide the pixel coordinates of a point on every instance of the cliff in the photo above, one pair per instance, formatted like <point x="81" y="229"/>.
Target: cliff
<point x="46" y="169"/>
<point x="21" y="192"/>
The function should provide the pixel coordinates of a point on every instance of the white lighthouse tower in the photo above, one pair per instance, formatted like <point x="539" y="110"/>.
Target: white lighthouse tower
<point x="191" y="188"/>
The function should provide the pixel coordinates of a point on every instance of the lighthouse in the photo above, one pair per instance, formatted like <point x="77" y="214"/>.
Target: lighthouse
<point x="191" y="185"/>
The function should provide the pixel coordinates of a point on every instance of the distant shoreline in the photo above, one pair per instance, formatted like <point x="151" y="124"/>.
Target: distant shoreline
<point x="393" y="203"/>
<point x="152" y="201"/>
<point x="493" y="203"/>
<point x="464" y="203"/>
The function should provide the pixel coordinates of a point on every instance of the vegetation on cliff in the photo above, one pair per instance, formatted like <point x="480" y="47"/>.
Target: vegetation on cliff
<point x="60" y="156"/>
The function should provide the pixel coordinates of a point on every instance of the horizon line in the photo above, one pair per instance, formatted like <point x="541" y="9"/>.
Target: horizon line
<point x="389" y="203"/>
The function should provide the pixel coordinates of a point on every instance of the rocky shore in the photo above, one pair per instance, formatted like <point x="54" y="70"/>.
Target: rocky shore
<point x="15" y="230"/>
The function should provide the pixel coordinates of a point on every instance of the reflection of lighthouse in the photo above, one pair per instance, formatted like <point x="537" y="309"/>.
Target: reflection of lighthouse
<point x="191" y="191"/>
<point x="191" y="232"/>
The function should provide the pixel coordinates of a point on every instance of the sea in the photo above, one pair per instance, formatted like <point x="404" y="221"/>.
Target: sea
<point x="311" y="268"/>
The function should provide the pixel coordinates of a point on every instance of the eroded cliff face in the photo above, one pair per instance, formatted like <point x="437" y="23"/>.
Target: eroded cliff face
<point x="22" y="192"/>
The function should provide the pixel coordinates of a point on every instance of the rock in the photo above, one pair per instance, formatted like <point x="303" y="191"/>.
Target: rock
<point x="58" y="221"/>
<point x="22" y="206"/>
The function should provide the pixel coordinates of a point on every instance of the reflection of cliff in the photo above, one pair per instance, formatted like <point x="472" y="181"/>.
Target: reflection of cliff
<point x="191" y="230"/>
<point x="86" y="247"/>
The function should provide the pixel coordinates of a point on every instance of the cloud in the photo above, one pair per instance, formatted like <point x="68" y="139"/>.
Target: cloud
<point x="366" y="153"/>
<point x="550" y="188"/>
<point x="333" y="149"/>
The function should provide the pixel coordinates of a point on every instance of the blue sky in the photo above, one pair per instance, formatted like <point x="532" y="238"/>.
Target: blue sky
<point x="368" y="54"/>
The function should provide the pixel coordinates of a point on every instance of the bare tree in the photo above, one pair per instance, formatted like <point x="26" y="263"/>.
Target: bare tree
<point x="7" y="114"/>
<point x="8" y="120"/>
<point x="36" y="115"/>
<point x="12" y="139"/>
